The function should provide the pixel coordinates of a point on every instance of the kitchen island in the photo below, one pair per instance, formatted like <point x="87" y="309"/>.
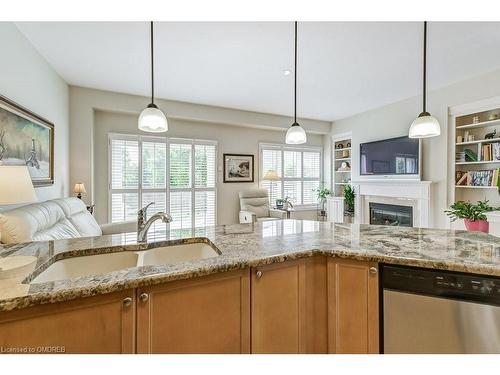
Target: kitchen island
<point x="327" y="272"/>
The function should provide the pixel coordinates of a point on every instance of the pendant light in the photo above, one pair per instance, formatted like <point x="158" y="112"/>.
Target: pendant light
<point x="152" y="119"/>
<point x="295" y="134"/>
<point x="425" y="125"/>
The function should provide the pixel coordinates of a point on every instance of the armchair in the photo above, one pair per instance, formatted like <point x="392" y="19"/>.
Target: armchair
<point x="254" y="206"/>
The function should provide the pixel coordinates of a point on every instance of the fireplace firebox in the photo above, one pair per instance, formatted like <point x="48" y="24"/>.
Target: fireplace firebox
<point x="391" y="214"/>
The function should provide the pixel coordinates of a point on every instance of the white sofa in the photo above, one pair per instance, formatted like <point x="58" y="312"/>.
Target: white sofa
<point x="254" y="206"/>
<point x="54" y="220"/>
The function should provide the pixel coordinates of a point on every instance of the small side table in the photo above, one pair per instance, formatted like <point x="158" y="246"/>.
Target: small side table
<point x="287" y="210"/>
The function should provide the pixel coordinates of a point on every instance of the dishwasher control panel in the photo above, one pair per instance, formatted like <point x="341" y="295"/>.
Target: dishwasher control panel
<point x="448" y="284"/>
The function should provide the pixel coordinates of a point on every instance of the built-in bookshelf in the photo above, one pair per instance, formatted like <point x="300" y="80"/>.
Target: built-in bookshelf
<point x="341" y="163"/>
<point x="477" y="155"/>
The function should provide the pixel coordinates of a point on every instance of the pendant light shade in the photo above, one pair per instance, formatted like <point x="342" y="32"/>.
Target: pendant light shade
<point x="425" y="125"/>
<point x="152" y="119"/>
<point x="295" y="135"/>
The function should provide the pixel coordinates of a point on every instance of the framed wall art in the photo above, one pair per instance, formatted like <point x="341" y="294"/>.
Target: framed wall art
<point x="238" y="168"/>
<point x="27" y="139"/>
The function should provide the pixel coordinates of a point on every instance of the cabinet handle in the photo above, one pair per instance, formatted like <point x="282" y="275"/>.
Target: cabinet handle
<point x="127" y="302"/>
<point x="258" y="274"/>
<point x="373" y="270"/>
<point x="144" y="297"/>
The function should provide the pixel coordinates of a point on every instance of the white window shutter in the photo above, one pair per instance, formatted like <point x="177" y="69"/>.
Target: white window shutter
<point x="299" y="169"/>
<point x="139" y="176"/>
<point x="125" y="164"/>
<point x="180" y="165"/>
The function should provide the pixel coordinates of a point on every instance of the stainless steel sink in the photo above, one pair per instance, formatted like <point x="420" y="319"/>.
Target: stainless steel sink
<point x="103" y="263"/>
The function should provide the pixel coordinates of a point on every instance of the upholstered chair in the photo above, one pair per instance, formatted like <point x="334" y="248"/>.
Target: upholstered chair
<point x="254" y="206"/>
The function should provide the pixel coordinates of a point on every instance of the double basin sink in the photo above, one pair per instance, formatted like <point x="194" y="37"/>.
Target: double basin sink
<point x="99" y="264"/>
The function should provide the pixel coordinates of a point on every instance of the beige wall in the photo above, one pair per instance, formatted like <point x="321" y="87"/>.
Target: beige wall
<point x="28" y="79"/>
<point x="395" y="119"/>
<point x="95" y="113"/>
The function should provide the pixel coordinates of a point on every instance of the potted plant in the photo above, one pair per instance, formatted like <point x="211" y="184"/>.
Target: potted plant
<point x="473" y="215"/>
<point x="349" y="196"/>
<point x="287" y="203"/>
<point x="283" y="203"/>
<point x="322" y="193"/>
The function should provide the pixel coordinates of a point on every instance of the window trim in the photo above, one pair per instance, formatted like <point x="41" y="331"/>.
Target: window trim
<point x="139" y="190"/>
<point x="284" y="147"/>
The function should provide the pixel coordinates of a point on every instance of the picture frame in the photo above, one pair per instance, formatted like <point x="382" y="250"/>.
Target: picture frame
<point x="27" y="139"/>
<point x="238" y="168"/>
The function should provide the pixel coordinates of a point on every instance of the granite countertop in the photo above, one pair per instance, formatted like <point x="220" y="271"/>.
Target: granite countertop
<point x="246" y="245"/>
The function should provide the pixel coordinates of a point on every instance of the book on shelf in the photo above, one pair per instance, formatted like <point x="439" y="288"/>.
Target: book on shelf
<point x="470" y="155"/>
<point x="460" y="156"/>
<point x="488" y="152"/>
<point x="477" y="178"/>
<point x="461" y="178"/>
<point x="496" y="150"/>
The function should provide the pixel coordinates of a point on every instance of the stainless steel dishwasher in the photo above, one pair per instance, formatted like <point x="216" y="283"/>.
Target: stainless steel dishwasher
<point x="428" y="311"/>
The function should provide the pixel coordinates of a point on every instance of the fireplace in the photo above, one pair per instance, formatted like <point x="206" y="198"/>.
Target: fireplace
<point x="391" y="214"/>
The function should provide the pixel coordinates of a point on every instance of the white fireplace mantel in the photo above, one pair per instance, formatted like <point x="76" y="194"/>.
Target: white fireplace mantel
<point x="413" y="193"/>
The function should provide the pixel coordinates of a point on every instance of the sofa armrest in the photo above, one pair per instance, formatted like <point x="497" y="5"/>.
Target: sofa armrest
<point x="247" y="217"/>
<point x="117" y="228"/>
<point x="277" y="213"/>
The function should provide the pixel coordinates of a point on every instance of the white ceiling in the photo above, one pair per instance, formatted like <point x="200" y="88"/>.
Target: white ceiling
<point x="344" y="67"/>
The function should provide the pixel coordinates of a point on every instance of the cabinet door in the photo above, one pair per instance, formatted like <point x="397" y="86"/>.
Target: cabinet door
<point x="100" y="324"/>
<point x="353" y="307"/>
<point x="278" y="308"/>
<point x="204" y="315"/>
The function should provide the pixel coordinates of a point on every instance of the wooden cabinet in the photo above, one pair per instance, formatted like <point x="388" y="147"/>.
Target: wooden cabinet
<point x="289" y="312"/>
<point x="100" y="324"/>
<point x="353" y="306"/>
<point x="311" y="305"/>
<point x="204" y="315"/>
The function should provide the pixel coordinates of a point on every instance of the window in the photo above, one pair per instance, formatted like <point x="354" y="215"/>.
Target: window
<point x="177" y="174"/>
<point x="299" y="171"/>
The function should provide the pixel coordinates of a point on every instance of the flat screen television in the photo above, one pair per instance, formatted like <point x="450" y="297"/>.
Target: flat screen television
<point x="395" y="156"/>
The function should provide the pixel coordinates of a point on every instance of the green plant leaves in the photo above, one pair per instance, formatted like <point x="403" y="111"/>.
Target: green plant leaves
<point x="467" y="210"/>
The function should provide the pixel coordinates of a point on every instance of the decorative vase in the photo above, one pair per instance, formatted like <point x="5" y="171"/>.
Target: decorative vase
<point x="477" y="226"/>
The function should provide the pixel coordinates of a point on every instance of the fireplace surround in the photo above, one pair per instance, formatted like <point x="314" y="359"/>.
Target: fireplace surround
<point x="411" y="193"/>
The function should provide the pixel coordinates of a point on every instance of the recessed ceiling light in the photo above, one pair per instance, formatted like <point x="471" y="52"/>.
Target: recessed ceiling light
<point x="287" y="72"/>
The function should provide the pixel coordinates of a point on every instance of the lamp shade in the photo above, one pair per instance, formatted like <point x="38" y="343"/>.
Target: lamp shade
<point x="19" y="188"/>
<point x="152" y="120"/>
<point x="295" y="135"/>
<point x="271" y="175"/>
<point x="424" y="126"/>
<point x="79" y="188"/>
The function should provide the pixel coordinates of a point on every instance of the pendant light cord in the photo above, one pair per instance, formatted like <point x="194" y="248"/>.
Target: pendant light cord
<point x="152" y="68"/>
<point x="425" y="66"/>
<point x="295" y="80"/>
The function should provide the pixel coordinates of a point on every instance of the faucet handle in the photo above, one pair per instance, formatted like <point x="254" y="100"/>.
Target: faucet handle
<point x="142" y="212"/>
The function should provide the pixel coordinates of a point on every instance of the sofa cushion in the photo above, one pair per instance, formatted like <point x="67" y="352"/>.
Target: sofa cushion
<point x="51" y="220"/>
<point x="36" y="222"/>
<point x="76" y="212"/>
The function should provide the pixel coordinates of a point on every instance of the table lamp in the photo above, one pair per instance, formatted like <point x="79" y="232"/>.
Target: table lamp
<point x="271" y="176"/>
<point x="15" y="185"/>
<point x="79" y="189"/>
